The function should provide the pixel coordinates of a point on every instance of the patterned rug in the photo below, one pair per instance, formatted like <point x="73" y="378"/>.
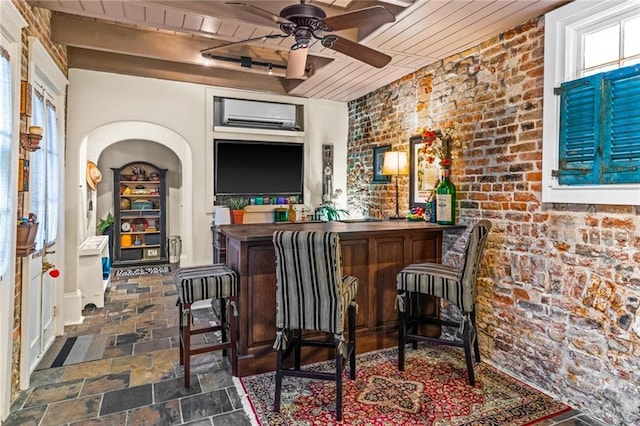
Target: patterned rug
<point x="146" y="270"/>
<point x="431" y="391"/>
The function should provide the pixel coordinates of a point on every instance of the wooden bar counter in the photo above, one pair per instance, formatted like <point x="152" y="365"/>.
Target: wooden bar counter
<point x="372" y="251"/>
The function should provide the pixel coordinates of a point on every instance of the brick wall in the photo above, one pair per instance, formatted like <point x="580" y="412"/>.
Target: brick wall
<point x="38" y="21"/>
<point x="559" y="290"/>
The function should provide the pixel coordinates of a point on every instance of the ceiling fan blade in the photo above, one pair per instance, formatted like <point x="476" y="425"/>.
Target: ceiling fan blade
<point x="297" y="63"/>
<point x="356" y="50"/>
<point x="375" y="15"/>
<point x="264" y="37"/>
<point x="260" y="12"/>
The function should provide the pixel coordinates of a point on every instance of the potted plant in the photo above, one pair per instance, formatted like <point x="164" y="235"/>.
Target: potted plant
<point x="105" y="227"/>
<point x="329" y="212"/>
<point x="237" y="205"/>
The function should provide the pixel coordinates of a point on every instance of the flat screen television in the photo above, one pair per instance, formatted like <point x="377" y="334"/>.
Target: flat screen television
<point x="255" y="168"/>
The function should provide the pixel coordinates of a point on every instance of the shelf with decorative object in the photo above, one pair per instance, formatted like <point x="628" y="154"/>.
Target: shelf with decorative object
<point x="140" y="214"/>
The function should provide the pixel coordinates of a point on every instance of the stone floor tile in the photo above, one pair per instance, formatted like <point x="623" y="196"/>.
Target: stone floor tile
<point x="140" y="376"/>
<point x="165" y="332"/>
<point x="125" y="399"/>
<point x="201" y="422"/>
<point x="54" y="392"/>
<point x="166" y="356"/>
<point x="64" y="412"/>
<point x="164" y="413"/>
<point x="46" y="376"/>
<point x="235" y="418"/>
<point x="115" y="419"/>
<point x="151" y="345"/>
<point x="174" y="389"/>
<point x="105" y="383"/>
<point x="86" y="369"/>
<point x="215" y="379"/>
<point x="28" y="416"/>
<point x="130" y="362"/>
<point x="204" y="405"/>
<point x="116" y="329"/>
<point x="118" y="351"/>
<point x="132" y="338"/>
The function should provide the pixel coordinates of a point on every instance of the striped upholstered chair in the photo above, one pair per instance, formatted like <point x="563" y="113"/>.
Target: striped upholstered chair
<point x="457" y="285"/>
<point x="312" y="294"/>
<point x="219" y="284"/>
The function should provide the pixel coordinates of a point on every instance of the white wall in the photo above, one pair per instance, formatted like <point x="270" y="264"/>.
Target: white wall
<point x="99" y="100"/>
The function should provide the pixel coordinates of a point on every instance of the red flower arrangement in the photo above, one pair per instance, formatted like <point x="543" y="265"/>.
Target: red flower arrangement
<point x="440" y="144"/>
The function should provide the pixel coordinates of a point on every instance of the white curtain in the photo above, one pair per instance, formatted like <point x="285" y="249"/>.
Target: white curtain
<point x="53" y="174"/>
<point x="7" y="224"/>
<point x="38" y="186"/>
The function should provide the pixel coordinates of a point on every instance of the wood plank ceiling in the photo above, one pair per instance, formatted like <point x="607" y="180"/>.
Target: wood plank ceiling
<point x="163" y="39"/>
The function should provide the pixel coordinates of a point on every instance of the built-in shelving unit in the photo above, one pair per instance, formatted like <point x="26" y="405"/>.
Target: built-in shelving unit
<point x="140" y="214"/>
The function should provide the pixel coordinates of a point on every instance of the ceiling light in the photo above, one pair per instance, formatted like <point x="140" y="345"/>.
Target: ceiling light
<point x="270" y="70"/>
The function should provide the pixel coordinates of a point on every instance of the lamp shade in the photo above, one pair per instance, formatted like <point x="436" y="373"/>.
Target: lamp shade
<point x="395" y="163"/>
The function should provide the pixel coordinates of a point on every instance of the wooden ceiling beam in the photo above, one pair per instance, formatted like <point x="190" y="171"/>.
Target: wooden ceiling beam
<point x="167" y="70"/>
<point x="89" y="34"/>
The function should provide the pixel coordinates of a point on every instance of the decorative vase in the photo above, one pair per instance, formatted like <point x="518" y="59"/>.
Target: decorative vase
<point x="237" y="216"/>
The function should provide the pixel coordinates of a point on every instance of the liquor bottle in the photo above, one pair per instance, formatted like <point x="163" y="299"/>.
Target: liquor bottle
<point x="446" y="200"/>
<point x="292" y="212"/>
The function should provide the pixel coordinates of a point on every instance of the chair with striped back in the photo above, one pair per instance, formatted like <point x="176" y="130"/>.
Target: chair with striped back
<point x="217" y="283"/>
<point x="457" y="285"/>
<point x="312" y="294"/>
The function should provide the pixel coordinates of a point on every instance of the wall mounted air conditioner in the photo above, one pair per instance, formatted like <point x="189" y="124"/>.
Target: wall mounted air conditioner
<point x="270" y="115"/>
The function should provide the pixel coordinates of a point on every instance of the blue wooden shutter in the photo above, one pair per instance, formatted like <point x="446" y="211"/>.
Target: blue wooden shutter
<point x="580" y="102"/>
<point x="621" y="132"/>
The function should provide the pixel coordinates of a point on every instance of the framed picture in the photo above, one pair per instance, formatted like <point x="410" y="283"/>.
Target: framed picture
<point x="378" y="158"/>
<point x="423" y="176"/>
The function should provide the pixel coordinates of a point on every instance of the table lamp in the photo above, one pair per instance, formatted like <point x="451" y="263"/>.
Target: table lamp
<point x="395" y="163"/>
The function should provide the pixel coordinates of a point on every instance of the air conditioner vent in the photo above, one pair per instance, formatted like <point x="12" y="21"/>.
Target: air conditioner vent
<point x="256" y="114"/>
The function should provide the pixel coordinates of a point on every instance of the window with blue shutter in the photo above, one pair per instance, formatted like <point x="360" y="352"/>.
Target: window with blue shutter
<point x="600" y="129"/>
<point x="621" y="132"/>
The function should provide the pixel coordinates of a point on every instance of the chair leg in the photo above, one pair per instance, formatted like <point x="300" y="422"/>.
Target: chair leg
<point x="233" y="333"/>
<point x="466" y="337"/>
<point x="402" y="324"/>
<point x="414" y="310"/>
<point x="278" y="392"/>
<point x="223" y="324"/>
<point x="352" y="342"/>
<point x="476" y="344"/>
<point x="186" y="339"/>
<point x="181" y="342"/>
<point x="298" y="348"/>
<point x="339" y="359"/>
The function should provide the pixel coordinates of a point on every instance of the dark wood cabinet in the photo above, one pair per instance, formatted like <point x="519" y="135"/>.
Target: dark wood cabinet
<point x="140" y="199"/>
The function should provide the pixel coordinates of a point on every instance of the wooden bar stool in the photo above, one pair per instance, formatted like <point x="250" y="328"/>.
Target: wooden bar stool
<point x="218" y="283"/>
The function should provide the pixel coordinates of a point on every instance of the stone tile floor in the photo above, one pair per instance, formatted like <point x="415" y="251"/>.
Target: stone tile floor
<point x="139" y="380"/>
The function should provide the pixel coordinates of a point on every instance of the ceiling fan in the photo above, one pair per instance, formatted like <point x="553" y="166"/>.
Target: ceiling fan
<point x="306" y="23"/>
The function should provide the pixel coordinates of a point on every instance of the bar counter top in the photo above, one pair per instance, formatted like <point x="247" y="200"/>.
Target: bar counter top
<point x="264" y="231"/>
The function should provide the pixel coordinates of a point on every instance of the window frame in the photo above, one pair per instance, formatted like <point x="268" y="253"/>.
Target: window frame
<point x="563" y="29"/>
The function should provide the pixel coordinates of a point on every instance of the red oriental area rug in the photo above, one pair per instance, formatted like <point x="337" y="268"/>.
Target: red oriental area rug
<point x="431" y="391"/>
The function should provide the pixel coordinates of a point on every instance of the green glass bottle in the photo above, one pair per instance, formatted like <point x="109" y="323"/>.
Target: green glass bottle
<point x="446" y="200"/>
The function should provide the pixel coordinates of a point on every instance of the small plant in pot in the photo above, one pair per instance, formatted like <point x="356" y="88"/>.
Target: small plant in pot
<point x="105" y="227"/>
<point x="237" y="205"/>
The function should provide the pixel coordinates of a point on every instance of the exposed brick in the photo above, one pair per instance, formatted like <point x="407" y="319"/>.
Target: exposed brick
<point x="569" y="269"/>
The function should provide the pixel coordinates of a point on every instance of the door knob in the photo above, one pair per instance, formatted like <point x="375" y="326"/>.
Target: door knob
<point x="46" y="266"/>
